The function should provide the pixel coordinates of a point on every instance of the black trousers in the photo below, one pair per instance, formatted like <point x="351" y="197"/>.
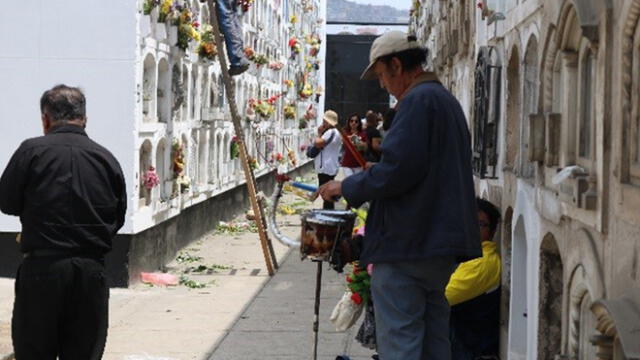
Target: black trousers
<point x="323" y="179"/>
<point x="61" y="309"/>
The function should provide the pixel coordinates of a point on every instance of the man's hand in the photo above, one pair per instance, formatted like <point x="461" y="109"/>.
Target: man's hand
<point x="331" y="190"/>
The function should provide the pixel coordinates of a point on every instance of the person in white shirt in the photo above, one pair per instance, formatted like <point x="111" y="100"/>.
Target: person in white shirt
<point x="329" y="142"/>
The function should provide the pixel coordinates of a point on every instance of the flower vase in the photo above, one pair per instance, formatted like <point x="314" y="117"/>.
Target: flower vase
<point x="145" y="25"/>
<point x="173" y="35"/>
<point x="161" y="31"/>
<point x="153" y="18"/>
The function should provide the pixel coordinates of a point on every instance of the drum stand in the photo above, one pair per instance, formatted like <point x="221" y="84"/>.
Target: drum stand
<point x="316" y="309"/>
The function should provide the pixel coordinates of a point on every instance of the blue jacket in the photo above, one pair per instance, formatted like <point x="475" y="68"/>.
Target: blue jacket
<point x="422" y="194"/>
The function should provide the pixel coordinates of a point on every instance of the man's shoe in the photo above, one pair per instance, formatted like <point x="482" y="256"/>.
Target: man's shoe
<point x="235" y="70"/>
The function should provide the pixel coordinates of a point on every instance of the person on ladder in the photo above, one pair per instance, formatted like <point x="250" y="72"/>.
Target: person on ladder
<point x="232" y="30"/>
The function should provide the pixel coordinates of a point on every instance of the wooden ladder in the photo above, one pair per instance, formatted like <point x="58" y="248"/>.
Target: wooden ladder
<point x="229" y="84"/>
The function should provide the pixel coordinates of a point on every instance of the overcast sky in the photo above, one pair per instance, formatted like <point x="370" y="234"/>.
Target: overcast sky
<point x="400" y="4"/>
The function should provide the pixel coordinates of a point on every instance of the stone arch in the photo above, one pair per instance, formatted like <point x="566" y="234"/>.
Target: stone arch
<point x="145" y="162"/>
<point x="547" y="79"/>
<point x="202" y="156"/>
<point x="518" y="332"/>
<point x="550" y="284"/>
<point x="581" y="321"/>
<point x="185" y="90"/>
<point x="629" y="72"/>
<point x="162" y="169"/>
<point x="513" y="115"/>
<point x="505" y="298"/>
<point x="149" y="93"/>
<point x="529" y="103"/>
<point x="164" y="90"/>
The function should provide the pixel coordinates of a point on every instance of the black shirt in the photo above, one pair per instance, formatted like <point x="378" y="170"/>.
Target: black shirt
<point x="371" y="154"/>
<point x="68" y="191"/>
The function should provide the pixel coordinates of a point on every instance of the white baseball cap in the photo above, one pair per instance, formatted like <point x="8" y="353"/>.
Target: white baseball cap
<point x="387" y="44"/>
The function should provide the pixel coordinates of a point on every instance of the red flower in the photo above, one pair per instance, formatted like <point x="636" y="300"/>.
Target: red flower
<point x="355" y="270"/>
<point x="480" y="5"/>
<point x="355" y="297"/>
<point x="292" y="42"/>
<point x="196" y="24"/>
<point x="349" y="279"/>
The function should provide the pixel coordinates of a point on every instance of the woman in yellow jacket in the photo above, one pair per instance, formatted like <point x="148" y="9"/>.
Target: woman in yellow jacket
<point x="474" y="296"/>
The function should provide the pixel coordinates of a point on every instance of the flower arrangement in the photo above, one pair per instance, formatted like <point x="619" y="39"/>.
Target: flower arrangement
<point x="294" y="45"/>
<point x="249" y="53"/>
<point x="276" y="65"/>
<point x="253" y="163"/>
<point x="149" y="5"/>
<point x="311" y="113"/>
<point x="177" y="156"/>
<point x="289" y="111"/>
<point x="245" y="5"/>
<point x="302" y="124"/>
<point x="264" y="108"/>
<point x="292" y="157"/>
<point x="288" y="83"/>
<point x="150" y="178"/>
<point x="234" y="150"/>
<point x="207" y="47"/>
<point x="184" y="183"/>
<point x="277" y="157"/>
<point x="314" y="50"/>
<point x="306" y="91"/>
<point x="260" y="59"/>
<point x="166" y="10"/>
<point x="293" y="19"/>
<point x="359" y="283"/>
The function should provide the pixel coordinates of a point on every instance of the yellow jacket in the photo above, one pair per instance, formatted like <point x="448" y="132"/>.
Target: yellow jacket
<point x="475" y="277"/>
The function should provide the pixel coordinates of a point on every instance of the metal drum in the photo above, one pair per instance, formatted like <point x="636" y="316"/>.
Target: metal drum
<point x="319" y="235"/>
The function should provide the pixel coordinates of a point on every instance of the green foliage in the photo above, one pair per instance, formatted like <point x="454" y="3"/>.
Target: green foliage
<point x="192" y="284"/>
<point x="185" y="257"/>
<point x="359" y="282"/>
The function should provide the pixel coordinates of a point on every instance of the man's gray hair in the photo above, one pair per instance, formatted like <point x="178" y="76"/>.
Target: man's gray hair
<point x="64" y="103"/>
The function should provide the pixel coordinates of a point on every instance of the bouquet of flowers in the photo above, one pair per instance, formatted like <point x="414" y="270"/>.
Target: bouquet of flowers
<point x="149" y="5"/>
<point x="166" y="10"/>
<point x="350" y="306"/>
<point x="265" y="109"/>
<point x="234" y="150"/>
<point x="294" y="44"/>
<point x="177" y="154"/>
<point x="359" y="283"/>
<point x="293" y="19"/>
<point x="150" y="178"/>
<point x="277" y="157"/>
<point x="245" y="4"/>
<point x="302" y="124"/>
<point x="276" y="65"/>
<point x="314" y="50"/>
<point x="249" y="53"/>
<point x="289" y="112"/>
<point x="307" y="91"/>
<point x="207" y="47"/>
<point x="260" y="59"/>
<point x="288" y="83"/>
<point x="292" y="157"/>
<point x="253" y="163"/>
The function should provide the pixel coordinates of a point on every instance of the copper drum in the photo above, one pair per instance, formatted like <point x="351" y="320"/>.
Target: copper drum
<point x="319" y="235"/>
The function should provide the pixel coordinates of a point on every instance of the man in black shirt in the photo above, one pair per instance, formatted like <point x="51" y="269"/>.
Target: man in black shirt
<point x="374" y="138"/>
<point x="71" y="197"/>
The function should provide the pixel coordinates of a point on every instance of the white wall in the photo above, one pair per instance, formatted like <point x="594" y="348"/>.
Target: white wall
<point x="86" y="43"/>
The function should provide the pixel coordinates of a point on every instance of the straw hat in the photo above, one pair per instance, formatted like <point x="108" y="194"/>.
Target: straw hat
<point x="331" y="117"/>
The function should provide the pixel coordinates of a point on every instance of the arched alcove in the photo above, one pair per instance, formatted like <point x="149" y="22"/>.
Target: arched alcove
<point x="512" y="127"/>
<point x="505" y="298"/>
<point x="213" y="96"/>
<point x="212" y="159"/>
<point x="164" y="91"/>
<point x="221" y="91"/>
<point x="530" y="104"/>
<point x="149" y="88"/>
<point x="185" y="88"/>
<point x="550" y="285"/>
<point x="193" y="157"/>
<point x="144" y="164"/>
<point x="195" y="100"/>
<point x="186" y="146"/>
<point x="582" y="321"/>
<point x="227" y="157"/>
<point x="203" y="162"/>
<point x="162" y="169"/>
<point x="220" y="158"/>
<point x="518" y="334"/>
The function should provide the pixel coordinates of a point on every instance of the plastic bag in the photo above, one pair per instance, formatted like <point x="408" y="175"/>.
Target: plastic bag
<point x="159" y="279"/>
<point x="346" y="313"/>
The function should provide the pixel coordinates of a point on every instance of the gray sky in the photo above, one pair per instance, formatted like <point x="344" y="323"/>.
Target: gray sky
<point x="400" y="4"/>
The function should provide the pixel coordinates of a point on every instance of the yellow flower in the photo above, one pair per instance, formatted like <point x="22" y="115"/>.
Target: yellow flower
<point x="294" y="19"/>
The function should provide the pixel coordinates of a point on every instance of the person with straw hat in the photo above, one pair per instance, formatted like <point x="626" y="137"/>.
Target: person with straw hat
<point x="423" y="215"/>
<point x="329" y="142"/>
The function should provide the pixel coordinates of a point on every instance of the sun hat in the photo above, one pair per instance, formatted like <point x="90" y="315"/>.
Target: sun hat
<point x="387" y="44"/>
<point x="331" y="117"/>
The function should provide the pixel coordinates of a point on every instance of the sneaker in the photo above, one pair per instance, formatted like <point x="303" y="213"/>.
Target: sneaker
<point x="235" y="70"/>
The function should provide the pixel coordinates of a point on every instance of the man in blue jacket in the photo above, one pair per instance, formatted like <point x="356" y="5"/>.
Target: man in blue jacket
<point x="423" y="217"/>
